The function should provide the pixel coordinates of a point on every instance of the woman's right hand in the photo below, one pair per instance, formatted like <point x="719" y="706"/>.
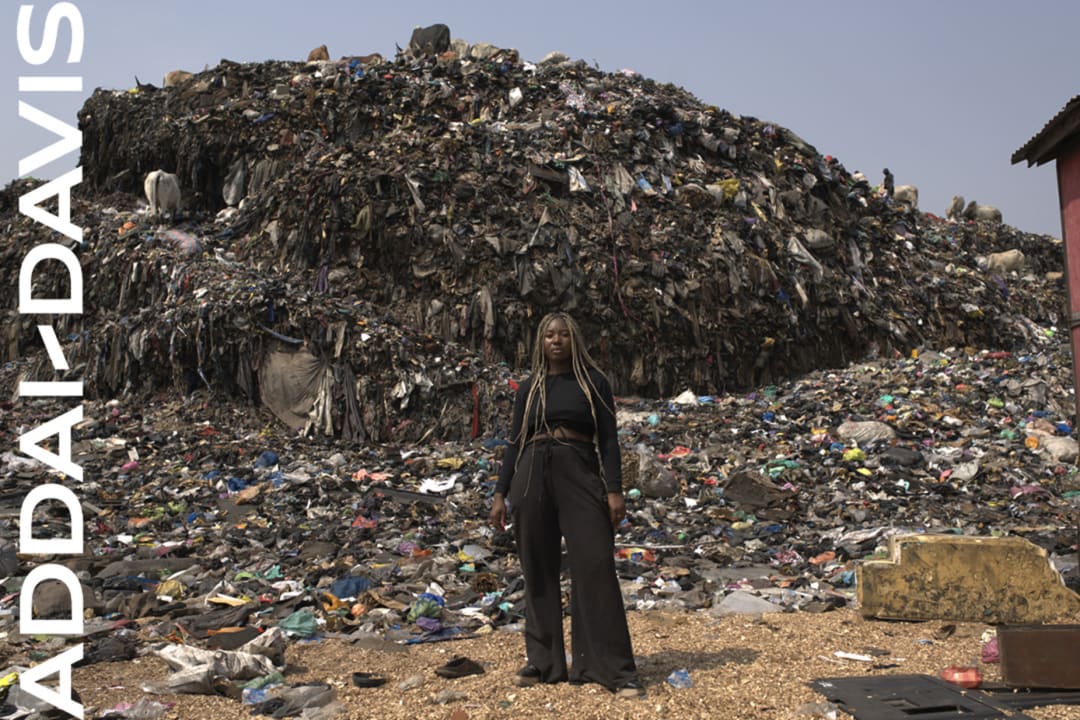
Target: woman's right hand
<point x="497" y="516"/>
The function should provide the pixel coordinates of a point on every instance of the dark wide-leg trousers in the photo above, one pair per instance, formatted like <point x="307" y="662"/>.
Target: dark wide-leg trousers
<point x="557" y="493"/>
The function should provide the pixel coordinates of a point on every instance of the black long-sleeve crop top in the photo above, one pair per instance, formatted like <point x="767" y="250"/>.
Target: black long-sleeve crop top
<point x="568" y="407"/>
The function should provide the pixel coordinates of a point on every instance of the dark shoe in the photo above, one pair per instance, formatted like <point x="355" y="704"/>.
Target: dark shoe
<point x="527" y="676"/>
<point x="631" y="690"/>
<point x="223" y="687"/>
<point x="367" y="680"/>
<point x="459" y="667"/>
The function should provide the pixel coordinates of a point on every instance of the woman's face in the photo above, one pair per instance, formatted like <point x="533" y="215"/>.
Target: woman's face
<point x="557" y="343"/>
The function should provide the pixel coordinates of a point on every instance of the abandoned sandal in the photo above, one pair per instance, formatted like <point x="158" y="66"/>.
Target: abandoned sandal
<point x="368" y="679"/>
<point x="632" y="689"/>
<point x="527" y="676"/>
<point x="459" y="667"/>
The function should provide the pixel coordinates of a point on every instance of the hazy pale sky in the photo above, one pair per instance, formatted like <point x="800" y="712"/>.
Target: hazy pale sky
<point x="942" y="92"/>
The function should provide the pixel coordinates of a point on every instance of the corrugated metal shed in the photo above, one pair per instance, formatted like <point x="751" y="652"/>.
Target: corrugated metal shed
<point x="1044" y="146"/>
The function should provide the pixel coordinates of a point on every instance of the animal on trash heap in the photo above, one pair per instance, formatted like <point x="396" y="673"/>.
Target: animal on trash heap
<point x="975" y="211"/>
<point x="956" y="208"/>
<point x="1004" y="262"/>
<point x="162" y="193"/>
<point x="176" y="77"/>
<point x="907" y="194"/>
<point x="432" y="40"/>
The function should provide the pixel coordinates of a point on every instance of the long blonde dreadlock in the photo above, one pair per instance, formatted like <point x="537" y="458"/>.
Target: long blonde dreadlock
<point x="581" y="362"/>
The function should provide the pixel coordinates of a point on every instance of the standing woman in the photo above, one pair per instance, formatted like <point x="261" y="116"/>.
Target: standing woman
<point x="563" y="479"/>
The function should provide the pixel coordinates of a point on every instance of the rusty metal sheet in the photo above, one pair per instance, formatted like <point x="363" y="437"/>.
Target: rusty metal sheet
<point x="1040" y="656"/>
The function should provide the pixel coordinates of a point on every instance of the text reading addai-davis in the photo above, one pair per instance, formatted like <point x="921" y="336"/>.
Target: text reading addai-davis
<point x="39" y="33"/>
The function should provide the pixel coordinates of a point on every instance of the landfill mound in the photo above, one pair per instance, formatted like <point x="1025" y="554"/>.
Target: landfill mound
<point x="366" y="248"/>
<point x="212" y="543"/>
<point x="365" y="251"/>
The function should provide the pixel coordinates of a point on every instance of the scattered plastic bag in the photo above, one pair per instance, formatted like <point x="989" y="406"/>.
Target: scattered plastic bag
<point x="301" y="622"/>
<point x="822" y="710"/>
<point x="196" y="669"/>
<point x="143" y="709"/>
<point x="680" y="679"/>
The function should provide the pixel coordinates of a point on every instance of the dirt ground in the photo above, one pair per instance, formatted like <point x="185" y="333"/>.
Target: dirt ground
<point x="742" y="667"/>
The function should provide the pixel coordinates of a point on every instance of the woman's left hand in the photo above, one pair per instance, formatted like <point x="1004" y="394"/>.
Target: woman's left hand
<point x="617" y="506"/>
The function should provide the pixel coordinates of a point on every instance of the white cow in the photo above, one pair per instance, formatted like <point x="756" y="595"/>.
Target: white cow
<point x="974" y="211"/>
<point x="907" y="194"/>
<point x="1004" y="262"/>
<point x="177" y="77"/>
<point x="956" y="208"/>
<point x="163" y="193"/>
